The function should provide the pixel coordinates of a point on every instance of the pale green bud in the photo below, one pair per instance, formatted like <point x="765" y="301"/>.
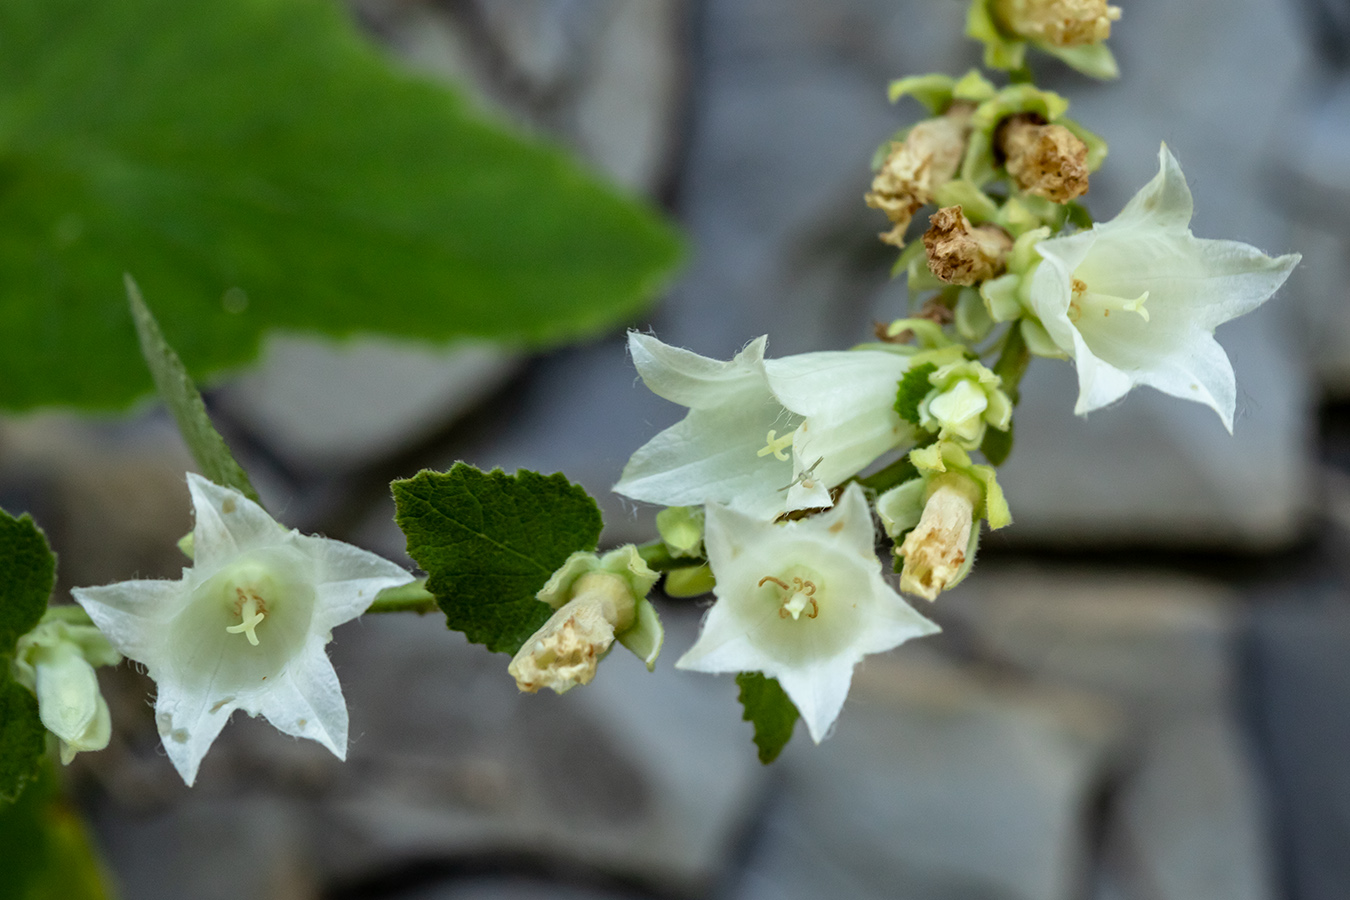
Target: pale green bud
<point x="966" y="398"/>
<point x="56" y="661"/>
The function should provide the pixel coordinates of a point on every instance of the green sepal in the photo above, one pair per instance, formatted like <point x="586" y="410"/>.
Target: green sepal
<point x="972" y="320"/>
<point x="976" y="205"/>
<point x="489" y="542"/>
<point x="915" y="250"/>
<point x="681" y="530"/>
<point x="914" y="387"/>
<point x="1093" y="60"/>
<point x="933" y="91"/>
<point x="184" y="401"/>
<point x="1001" y="50"/>
<point x="691" y="581"/>
<point x="767" y="707"/>
<point x="646" y="636"/>
<point x="1039" y="341"/>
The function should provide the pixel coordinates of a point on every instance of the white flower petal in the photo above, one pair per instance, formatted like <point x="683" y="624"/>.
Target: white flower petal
<point x="1136" y="300"/>
<point x="682" y="376"/>
<point x="802" y="602"/>
<point x="228" y="523"/>
<point x="189" y="722"/>
<point x="133" y="614"/>
<point x="307" y="702"/>
<point x="245" y="628"/>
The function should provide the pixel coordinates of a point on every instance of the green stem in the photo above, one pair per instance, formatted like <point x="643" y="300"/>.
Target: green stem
<point x="898" y="472"/>
<point x="658" y="558"/>
<point x="412" y="597"/>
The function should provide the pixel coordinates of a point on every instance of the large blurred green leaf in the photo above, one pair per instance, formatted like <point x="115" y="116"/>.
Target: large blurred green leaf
<point x="256" y="164"/>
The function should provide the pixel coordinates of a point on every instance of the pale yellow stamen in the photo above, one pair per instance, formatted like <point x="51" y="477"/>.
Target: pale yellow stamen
<point x="776" y="445"/>
<point x="800" y="595"/>
<point x="251" y="616"/>
<point x="1103" y="303"/>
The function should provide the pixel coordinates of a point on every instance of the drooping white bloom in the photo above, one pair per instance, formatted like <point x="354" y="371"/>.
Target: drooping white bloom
<point x="763" y="436"/>
<point x="802" y="602"/>
<point x="1136" y="300"/>
<point x="56" y="661"/>
<point x="244" y="628"/>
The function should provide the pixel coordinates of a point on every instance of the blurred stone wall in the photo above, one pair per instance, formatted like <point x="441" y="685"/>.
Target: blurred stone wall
<point x="1075" y="734"/>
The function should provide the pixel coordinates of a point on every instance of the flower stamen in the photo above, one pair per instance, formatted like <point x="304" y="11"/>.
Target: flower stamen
<point x="776" y="445"/>
<point x="252" y="611"/>
<point x="799" y="595"/>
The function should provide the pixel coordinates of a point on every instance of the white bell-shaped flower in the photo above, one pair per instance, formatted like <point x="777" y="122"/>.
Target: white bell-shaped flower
<point x="802" y="602"/>
<point x="1136" y="300"/>
<point x="244" y="628"/>
<point x="763" y="436"/>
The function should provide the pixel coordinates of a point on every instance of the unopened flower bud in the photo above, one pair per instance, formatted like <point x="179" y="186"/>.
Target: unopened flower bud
<point x="1045" y="160"/>
<point x="1060" y="23"/>
<point x="916" y="167"/>
<point x="936" y="550"/>
<point x="56" y="661"/>
<point x="959" y="253"/>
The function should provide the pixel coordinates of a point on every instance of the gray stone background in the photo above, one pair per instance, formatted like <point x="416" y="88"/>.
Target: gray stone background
<point x="1142" y="694"/>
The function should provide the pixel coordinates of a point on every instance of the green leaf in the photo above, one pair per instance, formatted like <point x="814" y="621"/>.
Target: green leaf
<point x="259" y="165"/>
<point x="45" y="852"/>
<point x="29" y="575"/>
<point x="913" y="388"/>
<point x="769" y="709"/>
<point x="997" y="445"/>
<point x="23" y="738"/>
<point x="489" y="541"/>
<point x="180" y="395"/>
<point x="29" y="570"/>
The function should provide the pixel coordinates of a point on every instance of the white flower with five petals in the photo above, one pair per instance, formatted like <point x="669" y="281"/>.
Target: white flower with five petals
<point x="764" y="436"/>
<point x="244" y="628"/>
<point x="1136" y="300"/>
<point x="802" y="602"/>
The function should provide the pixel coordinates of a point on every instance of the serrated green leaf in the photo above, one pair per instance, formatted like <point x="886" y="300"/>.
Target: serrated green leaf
<point x="29" y="573"/>
<point x="259" y="165"/>
<point x="997" y="445"/>
<point x="770" y="710"/>
<point x="184" y="401"/>
<point x="913" y="388"/>
<point x="489" y="541"/>
<point x="23" y="739"/>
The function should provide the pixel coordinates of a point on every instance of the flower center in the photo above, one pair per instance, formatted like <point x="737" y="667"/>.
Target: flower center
<point x="795" y="597"/>
<point x="1087" y="301"/>
<point x="776" y="445"/>
<point x="252" y="609"/>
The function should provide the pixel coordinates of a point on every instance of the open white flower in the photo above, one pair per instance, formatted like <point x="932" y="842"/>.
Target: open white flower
<point x="763" y="436"/>
<point x="802" y="602"/>
<point x="1136" y="300"/>
<point x="244" y="628"/>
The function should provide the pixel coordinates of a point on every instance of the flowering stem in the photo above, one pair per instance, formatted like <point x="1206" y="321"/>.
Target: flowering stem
<point x="898" y="472"/>
<point x="412" y="597"/>
<point x="658" y="558"/>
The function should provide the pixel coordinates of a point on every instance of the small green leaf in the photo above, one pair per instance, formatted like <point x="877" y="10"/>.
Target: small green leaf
<point x="489" y="541"/>
<point x="29" y="573"/>
<point x="184" y="401"/>
<point x="997" y="445"/>
<point x="913" y="388"/>
<point x="769" y="709"/>
<point x="23" y="739"/>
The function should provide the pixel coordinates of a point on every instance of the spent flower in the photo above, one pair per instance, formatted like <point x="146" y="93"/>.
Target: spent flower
<point x="598" y="599"/>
